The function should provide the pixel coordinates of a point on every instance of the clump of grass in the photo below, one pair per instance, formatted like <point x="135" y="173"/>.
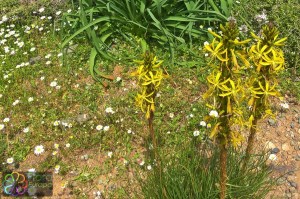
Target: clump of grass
<point x="195" y="174"/>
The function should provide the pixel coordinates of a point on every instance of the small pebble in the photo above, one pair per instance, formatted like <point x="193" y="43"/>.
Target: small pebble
<point x="293" y="184"/>
<point x="271" y="122"/>
<point x="275" y="150"/>
<point x="292" y="125"/>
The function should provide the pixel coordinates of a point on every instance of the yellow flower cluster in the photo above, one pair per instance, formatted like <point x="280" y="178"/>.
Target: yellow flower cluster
<point x="268" y="60"/>
<point x="228" y="57"/>
<point x="149" y="76"/>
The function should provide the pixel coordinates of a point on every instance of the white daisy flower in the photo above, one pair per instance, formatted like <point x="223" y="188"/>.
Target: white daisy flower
<point x="99" y="127"/>
<point x="106" y="128"/>
<point x="68" y="145"/>
<point x="285" y="105"/>
<point x="109" y="110"/>
<point x="16" y="102"/>
<point x="26" y="130"/>
<point x="213" y="113"/>
<point x="196" y="133"/>
<point x="56" y="168"/>
<point x="39" y="150"/>
<point x="6" y="120"/>
<point x="10" y="160"/>
<point x="2" y="126"/>
<point x="56" y="123"/>
<point x="30" y="99"/>
<point x="32" y="170"/>
<point x="53" y="84"/>
<point x="56" y="145"/>
<point x="109" y="154"/>
<point x="203" y="123"/>
<point x="41" y="10"/>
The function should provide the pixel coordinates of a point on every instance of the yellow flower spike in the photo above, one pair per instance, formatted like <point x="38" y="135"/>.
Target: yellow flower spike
<point x="236" y="138"/>
<point x="237" y="42"/>
<point x="214" y="34"/>
<point x="280" y="42"/>
<point x="255" y="36"/>
<point x="234" y="60"/>
<point x="214" y="131"/>
<point x="229" y="109"/>
<point x="251" y="118"/>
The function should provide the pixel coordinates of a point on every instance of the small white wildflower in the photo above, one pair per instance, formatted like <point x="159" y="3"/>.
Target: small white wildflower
<point x="68" y="11"/>
<point x="141" y="163"/>
<point x="10" y="160"/>
<point x="54" y="153"/>
<point x="56" y="168"/>
<point x="48" y="56"/>
<point x="68" y="145"/>
<point x="213" y="113"/>
<point x="26" y="130"/>
<point x="109" y="154"/>
<point x="56" y="145"/>
<point x="41" y="10"/>
<point x="272" y="157"/>
<point x="59" y="54"/>
<point x="106" y="128"/>
<point x="206" y="54"/>
<point x="118" y="79"/>
<point x="196" y="133"/>
<point x="58" y="13"/>
<point x="39" y="150"/>
<point x="48" y="62"/>
<point x="169" y="132"/>
<point x="209" y="29"/>
<point x="56" y="123"/>
<point x="53" y="84"/>
<point x="129" y="131"/>
<point x="42" y="78"/>
<point x="16" y="102"/>
<point x="32" y="170"/>
<point x="30" y="99"/>
<point x="206" y="43"/>
<point x="49" y="17"/>
<point x="171" y="115"/>
<point x="109" y="110"/>
<point x="43" y="17"/>
<point x="285" y="105"/>
<point x="6" y="120"/>
<point x="149" y="167"/>
<point x="99" y="127"/>
<point x="2" y="126"/>
<point x="57" y="87"/>
<point x="203" y="123"/>
<point x="191" y="115"/>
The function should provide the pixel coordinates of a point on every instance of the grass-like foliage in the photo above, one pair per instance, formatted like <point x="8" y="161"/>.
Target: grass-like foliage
<point x="165" y="23"/>
<point x="195" y="174"/>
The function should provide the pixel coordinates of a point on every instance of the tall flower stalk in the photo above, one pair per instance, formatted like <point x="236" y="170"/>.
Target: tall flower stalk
<point x="228" y="57"/>
<point x="268" y="61"/>
<point x="149" y="76"/>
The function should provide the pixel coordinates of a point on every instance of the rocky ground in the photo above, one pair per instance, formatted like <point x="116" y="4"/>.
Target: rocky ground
<point x="282" y="137"/>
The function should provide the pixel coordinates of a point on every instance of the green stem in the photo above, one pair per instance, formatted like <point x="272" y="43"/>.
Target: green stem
<point x="223" y="171"/>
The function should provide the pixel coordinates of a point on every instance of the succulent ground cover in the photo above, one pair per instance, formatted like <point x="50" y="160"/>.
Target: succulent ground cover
<point x="54" y="116"/>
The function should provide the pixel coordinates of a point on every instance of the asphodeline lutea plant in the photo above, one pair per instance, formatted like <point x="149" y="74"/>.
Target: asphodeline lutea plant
<point x="268" y="61"/>
<point x="228" y="57"/>
<point x="149" y="75"/>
